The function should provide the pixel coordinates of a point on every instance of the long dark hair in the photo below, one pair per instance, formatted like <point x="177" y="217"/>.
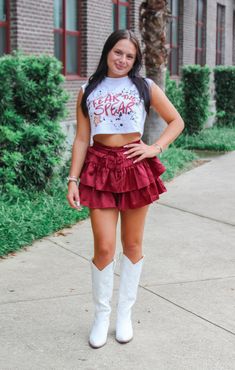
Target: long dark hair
<point x="102" y="69"/>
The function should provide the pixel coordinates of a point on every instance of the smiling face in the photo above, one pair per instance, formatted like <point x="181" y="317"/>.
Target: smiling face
<point x="121" y="58"/>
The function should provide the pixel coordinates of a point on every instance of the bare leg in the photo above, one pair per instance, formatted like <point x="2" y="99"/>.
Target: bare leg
<point x="132" y="230"/>
<point x="104" y="223"/>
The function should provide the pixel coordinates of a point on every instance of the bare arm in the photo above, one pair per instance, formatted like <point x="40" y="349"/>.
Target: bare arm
<point x="79" y="150"/>
<point x="81" y="141"/>
<point x="167" y="111"/>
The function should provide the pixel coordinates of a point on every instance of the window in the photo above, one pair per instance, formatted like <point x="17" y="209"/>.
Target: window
<point x="173" y="37"/>
<point x="220" y="35"/>
<point x="67" y="35"/>
<point x="4" y="27"/>
<point x="121" y="12"/>
<point x="200" y="33"/>
<point x="234" y="37"/>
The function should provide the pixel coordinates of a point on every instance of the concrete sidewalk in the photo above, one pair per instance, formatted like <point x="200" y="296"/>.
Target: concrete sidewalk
<point x="184" y="318"/>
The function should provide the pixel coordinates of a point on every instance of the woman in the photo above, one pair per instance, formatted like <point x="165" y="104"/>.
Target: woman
<point x="119" y="173"/>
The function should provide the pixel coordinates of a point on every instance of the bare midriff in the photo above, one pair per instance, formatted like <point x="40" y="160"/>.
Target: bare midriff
<point x="117" y="139"/>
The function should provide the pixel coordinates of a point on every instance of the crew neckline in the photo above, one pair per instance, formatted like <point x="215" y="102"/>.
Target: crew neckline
<point x="116" y="78"/>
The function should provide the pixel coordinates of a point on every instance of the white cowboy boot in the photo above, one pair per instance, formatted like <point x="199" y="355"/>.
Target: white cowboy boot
<point x="129" y="281"/>
<point x="102" y="290"/>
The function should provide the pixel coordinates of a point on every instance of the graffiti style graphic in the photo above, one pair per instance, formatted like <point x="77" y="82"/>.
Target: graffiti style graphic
<point x="114" y="108"/>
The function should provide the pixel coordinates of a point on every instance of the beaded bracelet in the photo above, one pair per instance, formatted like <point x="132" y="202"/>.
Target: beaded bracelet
<point x="158" y="146"/>
<point x="73" y="178"/>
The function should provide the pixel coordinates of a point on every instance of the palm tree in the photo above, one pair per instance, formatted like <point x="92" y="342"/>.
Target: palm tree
<point x="153" y="17"/>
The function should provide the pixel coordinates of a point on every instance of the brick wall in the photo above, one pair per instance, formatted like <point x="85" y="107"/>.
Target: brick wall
<point x="32" y="31"/>
<point x="99" y="28"/>
<point x="189" y="33"/>
<point x="73" y="86"/>
<point x="234" y="37"/>
<point x="34" y="26"/>
<point x="181" y="33"/>
<point x="135" y="17"/>
<point x="230" y="6"/>
<point x="13" y="25"/>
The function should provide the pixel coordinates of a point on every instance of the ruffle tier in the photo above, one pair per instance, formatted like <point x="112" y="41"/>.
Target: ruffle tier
<point x="110" y="180"/>
<point x="118" y="174"/>
<point x="93" y="198"/>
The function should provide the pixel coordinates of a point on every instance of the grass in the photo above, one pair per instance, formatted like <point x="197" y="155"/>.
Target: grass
<point x="215" y="139"/>
<point x="32" y="217"/>
<point x="175" y="160"/>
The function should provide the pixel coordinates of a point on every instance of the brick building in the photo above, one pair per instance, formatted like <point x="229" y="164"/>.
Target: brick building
<point x="201" y="31"/>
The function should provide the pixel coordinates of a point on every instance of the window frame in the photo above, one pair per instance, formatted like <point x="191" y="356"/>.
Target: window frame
<point x="233" y="56"/>
<point x="220" y="30"/>
<point x="116" y="18"/>
<point x="64" y="32"/>
<point x="6" y="25"/>
<point x="202" y="25"/>
<point x="172" y="46"/>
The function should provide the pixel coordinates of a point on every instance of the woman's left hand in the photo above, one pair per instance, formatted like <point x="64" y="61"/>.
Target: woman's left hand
<point x="142" y="150"/>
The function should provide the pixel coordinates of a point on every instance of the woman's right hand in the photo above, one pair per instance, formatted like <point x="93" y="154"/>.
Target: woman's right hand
<point x="73" y="195"/>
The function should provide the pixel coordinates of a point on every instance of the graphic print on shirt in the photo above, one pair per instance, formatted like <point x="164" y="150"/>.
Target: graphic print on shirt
<point x="114" y="108"/>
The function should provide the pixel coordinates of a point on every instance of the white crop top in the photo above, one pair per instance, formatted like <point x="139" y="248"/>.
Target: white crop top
<point x="114" y="107"/>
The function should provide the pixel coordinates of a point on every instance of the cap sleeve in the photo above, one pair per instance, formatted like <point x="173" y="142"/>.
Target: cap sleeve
<point x="149" y="81"/>
<point x="84" y="86"/>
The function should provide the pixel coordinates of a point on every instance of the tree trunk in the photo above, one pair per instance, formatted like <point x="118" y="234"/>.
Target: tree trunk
<point x="154" y="15"/>
<point x="154" y="124"/>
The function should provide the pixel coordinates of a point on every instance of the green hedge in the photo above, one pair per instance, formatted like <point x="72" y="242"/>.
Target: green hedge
<point x="195" y="86"/>
<point x="174" y="93"/>
<point x="224" y="78"/>
<point x="32" y="104"/>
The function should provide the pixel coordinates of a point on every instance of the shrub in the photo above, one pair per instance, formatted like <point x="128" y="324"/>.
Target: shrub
<point x="195" y="85"/>
<point x="32" y="103"/>
<point x="224" y="78"/>
<point x="174" y="93"/>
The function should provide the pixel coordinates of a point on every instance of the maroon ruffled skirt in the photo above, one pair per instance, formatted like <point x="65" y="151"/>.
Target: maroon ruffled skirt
<point x="110" y="180"/>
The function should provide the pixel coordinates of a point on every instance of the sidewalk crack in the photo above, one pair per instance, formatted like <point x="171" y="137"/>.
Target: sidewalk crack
<point x="196" y="214"/>
<point x="191" y="281"/>
<point x="189" y="311"/>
